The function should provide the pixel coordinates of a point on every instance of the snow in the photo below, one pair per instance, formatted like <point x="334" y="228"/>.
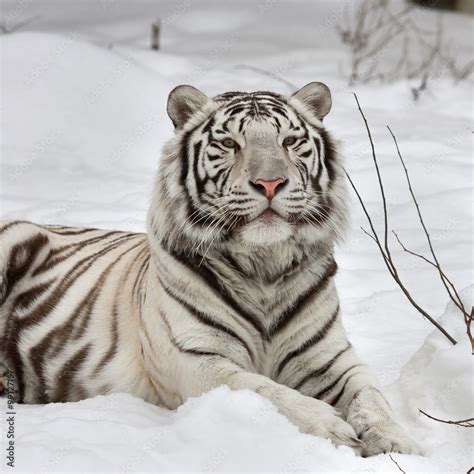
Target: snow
<point x="82" y="124"/>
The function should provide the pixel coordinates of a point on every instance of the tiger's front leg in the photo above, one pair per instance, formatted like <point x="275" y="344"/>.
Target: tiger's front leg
<point x="311" y="416"/>
<point x="370" y="415"/>
<point x="325" y="367"/>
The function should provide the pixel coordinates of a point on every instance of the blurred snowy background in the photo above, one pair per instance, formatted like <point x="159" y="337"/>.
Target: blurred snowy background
<point x="83" y="120"/>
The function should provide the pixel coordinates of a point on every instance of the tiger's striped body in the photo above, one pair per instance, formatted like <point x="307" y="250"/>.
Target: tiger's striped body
<point x="233" y="283"/>
<point x="69" y="297"/>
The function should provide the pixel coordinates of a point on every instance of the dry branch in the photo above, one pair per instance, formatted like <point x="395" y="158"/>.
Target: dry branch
<point x="396" y="464"/>
<point x="447" y="283"/>
<point x="385" y="248"/>
<point x="467" y="423"/>
<point x="373" y="27"/>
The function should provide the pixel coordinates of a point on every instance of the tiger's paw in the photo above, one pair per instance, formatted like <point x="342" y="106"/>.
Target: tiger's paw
<point x="320" y="419"/>
<point x="387" y="438"/>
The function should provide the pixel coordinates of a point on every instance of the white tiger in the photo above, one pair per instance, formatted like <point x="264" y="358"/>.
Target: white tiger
<point x="232" y="284"/>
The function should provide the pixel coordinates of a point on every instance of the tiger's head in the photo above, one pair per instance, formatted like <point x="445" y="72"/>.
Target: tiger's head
<point x="257" y="167"/>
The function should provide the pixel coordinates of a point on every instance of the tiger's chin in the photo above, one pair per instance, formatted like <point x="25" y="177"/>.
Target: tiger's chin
<point x="266" y="231"/>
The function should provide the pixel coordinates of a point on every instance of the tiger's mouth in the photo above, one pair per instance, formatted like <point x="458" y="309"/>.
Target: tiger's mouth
<point x="268" y="214"/>
<point x="266" y="228"/>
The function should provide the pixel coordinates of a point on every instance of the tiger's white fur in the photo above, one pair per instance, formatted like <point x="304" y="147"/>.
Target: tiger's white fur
<point x="229" y="286"/>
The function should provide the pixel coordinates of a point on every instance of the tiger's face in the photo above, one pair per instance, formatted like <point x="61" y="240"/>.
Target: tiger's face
<point x="257" y="166"/>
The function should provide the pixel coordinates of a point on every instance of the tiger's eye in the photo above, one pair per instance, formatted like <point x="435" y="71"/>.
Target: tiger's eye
<point x="229" y="143"/>
<point x="288" y="141"/>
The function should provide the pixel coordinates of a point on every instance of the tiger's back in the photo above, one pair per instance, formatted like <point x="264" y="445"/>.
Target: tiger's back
<point x="70" y="298"/>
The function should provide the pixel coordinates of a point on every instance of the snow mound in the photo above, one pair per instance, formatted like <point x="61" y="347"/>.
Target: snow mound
<point x="222" y="430"/>
<point x="438" y="379"/>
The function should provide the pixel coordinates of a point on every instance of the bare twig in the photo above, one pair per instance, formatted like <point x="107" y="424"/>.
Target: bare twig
<point x="411" y="252"/>
<point x="372" y="28"/>
<point x="382" y="191"/>
<point x="396" y="464"/>
<point x="427" y="260"/>
<point x="384" y="248"/>
<point x="447" y="283"/>
<point x="467" y="423"/>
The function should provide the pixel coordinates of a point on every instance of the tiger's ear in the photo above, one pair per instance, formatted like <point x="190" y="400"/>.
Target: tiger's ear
<point x="183" y="102"/>
<point x="317" y="97"/>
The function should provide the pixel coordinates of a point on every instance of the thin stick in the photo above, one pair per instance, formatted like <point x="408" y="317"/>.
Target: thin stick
<point x="458" y="303"/>
<point x="467" y="423"/>
<point x="395" y="276"/>
<point x="382" y="192"/>
<point x="427" y="260"/>
<point x="447" y="283"/>
<point x="411" y="252"/>
<point x="396" y="464"/>
<point x="385" y="250"/>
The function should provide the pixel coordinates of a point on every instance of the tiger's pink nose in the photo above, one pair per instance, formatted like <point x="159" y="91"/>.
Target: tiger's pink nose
<point x="269" y="188"/>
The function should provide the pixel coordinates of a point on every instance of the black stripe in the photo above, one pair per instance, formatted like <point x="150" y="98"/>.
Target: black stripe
<point x="21" y="258"/>
<point x="317" y="143"/>
<point x="207" y="127"/>
<point x="319" y="336"/>
<point x="27" y="297"/>
<point x="41" y="311"/>
<point x="280" y="111"/>
<point x="193" y="214"/>
<point x="329" y="147"/>
<point x="215" y="178"/>
<point x="235" y="110"/>
<point x="114" y="332"/>
<point x="305" y="172"/>
<point x="226" y="178"/>
<point x="277" y="123"/>
<point x="67" y="373"/>
<point x="204" y="318"/>
<point x="72" y="232"/>
<point x="329" y="154"/>
<point x="322" y="370"/>
<point x="316" y="180"/>
<point x="12" y="224"/>
<point x="184" y="158"/>
<point x="143" y="267"/>
<point x="58" y="254"/>
<point x="194" y="264"/>
<point x="334" y="401"/>
<point x="199" y="182"/>
<point x="73" y="328"/>
<point x="326" y="390"/>
<point x="304" y="300"/>
<point x="180" y="347"/>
